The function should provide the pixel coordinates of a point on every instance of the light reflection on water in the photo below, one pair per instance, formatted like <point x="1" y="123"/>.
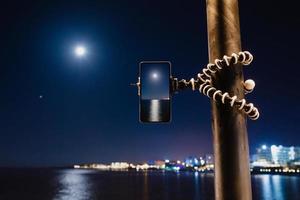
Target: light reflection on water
<point x="145" y="187"/>
<point x="74" y="185"/>
<point x="155" y="111"/>
<point x="91" y="184"/>
<point x="275" y="187"/>
<point x="267" y="188"/>
<point x="197" y="186"/>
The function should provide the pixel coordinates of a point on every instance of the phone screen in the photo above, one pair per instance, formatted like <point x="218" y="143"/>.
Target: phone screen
<point x="155" y="91"/>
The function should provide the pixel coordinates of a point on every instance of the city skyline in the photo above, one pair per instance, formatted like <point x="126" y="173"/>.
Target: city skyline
<point x="263" y="153"/>
<point x="66" y="69"/>
<point x="274" y="159"/>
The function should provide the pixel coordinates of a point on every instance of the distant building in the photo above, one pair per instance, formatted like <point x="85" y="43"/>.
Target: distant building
<point x="119" y="165"/>
<point x="192" y="161"/>
<point x="160" y="163"/>
<point x="209" y="159"/>
<point x="276" y="155"/>
<point x="264" y="154"/>
<point x="173" y="165"/>
<point x="284" y="155"/>
<point x="295" y="162"/>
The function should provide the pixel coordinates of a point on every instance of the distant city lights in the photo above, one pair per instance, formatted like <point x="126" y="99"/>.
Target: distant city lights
<point x="273" y="160"/>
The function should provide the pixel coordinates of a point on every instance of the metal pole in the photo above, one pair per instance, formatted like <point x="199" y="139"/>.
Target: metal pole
<point x="230" y="140"/>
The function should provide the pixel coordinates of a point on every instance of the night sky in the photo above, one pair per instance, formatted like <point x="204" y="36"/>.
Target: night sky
<point x="57" y="109"/>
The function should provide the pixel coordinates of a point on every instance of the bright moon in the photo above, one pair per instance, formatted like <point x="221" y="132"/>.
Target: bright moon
<point x="154" y="75"/>
<point x="80" y="51"/>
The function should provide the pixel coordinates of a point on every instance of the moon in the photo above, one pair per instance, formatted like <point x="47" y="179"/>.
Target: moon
<point x="154" y="75"/>
<point x="80" y="51"/>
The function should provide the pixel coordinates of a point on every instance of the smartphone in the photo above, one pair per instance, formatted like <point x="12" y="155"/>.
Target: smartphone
<point x="155" y="98"/>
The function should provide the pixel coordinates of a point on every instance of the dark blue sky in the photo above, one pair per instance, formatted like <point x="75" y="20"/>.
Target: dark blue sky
<point x="89" y="113"/>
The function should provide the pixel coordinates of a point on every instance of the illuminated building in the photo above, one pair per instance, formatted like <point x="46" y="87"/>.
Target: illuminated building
<point x="276" y="155"/>
<point x="209" y="159"/>
<point x="264" y="154"/>
<point x="119" y="165"/>
<point x="284" y="155"/>
<point x="173" y="165"/>
<point x="160" y="163"/>
<point x="192" y="161"/>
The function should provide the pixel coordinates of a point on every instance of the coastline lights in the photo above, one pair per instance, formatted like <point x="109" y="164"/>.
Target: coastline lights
<point x="119" y="165"/>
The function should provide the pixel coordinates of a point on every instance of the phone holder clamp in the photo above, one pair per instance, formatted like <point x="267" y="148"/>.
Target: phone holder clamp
<point x="203" y="83"/>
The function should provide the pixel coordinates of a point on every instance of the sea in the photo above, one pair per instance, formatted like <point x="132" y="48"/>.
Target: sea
<point x="84" y="184"/>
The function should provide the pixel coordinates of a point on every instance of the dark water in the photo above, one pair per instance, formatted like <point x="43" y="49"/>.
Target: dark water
<point x="71" y="184"/>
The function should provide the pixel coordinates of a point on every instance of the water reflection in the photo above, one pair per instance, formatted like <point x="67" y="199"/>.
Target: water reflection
<point x="71" y="184"/>
<point x="155" y="110"/>
<point x="87" y="184"/>
<point x="197" y="192"/>
<point x="277" y="187"/>
<point x="267" y="187"/>
<point x="145" y="187"/>
<point x="74" y="185"/>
